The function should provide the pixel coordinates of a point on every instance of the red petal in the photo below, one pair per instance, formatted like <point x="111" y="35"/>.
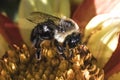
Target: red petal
<point x="10" y="31"/>
<point x="90" y="8"/>
<point x="84" y="12"/>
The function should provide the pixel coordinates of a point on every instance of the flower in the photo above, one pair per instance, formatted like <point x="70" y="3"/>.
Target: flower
<point x="85" y="13"/>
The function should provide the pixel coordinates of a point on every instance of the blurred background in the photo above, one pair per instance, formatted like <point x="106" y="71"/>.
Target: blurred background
<point x="9" y="7"/>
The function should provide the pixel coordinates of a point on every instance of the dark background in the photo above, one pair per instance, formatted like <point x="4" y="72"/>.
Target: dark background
<point x="10" y="7"/>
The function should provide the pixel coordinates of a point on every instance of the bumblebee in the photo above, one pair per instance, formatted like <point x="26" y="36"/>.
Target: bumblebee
<point x="64" y="32"/>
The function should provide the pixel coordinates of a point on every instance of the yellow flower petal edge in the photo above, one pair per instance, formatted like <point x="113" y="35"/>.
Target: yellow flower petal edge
<point x="101" y="35"/>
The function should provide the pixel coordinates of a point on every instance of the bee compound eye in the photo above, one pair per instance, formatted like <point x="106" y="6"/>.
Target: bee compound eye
<point x="72" y="40"/>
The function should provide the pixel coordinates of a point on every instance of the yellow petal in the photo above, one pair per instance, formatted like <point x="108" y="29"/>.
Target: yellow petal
<point x="53" y="7"/>
<point x="115" y="76"/>
<point x="102" y="34"/>
<point x="3" y="46"/>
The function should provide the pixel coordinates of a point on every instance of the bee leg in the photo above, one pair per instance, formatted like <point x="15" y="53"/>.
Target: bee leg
<point x="60" y="49"/>
<point x="36" y="44"/>
<point x="38" y="54"/>
<point x="71" y="54"/>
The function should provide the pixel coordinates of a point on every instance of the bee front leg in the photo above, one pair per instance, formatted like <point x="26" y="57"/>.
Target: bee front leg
<point x="36" y="44"/>
<point x="38" y="54"/>
<point x="60" y="49"/>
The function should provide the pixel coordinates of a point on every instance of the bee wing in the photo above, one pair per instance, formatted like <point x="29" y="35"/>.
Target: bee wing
<point x="38" y="17"/>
